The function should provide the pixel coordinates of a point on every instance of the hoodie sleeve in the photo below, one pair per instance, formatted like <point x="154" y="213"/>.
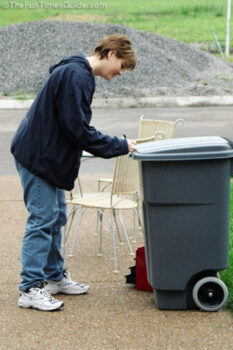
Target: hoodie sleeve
<point x="73" y="109"/>
<point x="105" y="146"/>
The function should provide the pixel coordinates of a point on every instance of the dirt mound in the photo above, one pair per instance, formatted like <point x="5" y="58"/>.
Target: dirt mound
<point x="165" y="66"/>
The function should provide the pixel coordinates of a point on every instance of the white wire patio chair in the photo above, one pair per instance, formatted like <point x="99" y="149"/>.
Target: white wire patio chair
<point x="125" y="182"/>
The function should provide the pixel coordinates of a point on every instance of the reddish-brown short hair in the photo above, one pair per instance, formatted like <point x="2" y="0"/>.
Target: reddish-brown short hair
<point x="121" y="45"/>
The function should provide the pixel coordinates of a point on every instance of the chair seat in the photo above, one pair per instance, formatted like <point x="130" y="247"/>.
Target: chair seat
<point x="84" y="195"/>
<point x="103" y="200"/>
<point x="106" y="180"/>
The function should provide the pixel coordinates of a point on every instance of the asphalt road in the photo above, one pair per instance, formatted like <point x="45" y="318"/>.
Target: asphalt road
<point x="199" y="121"/>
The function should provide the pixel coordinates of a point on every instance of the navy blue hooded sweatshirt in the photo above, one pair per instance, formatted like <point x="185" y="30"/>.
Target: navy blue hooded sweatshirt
<point x="56" y="128"/>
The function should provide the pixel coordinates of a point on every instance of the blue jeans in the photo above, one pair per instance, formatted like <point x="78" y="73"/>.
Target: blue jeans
<point x="41" y="256"/>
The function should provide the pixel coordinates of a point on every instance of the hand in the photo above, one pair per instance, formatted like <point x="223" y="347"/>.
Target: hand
<point x="131" y="145"/>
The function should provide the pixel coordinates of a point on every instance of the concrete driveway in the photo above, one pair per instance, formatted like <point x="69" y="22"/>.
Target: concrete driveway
<point x="112" y="315"/>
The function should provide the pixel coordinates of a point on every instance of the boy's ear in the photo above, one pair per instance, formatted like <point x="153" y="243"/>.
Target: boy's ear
<point x="111" y="53"/>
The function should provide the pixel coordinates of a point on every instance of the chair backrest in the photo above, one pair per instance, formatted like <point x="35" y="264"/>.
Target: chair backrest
<point x="125" y="177"/>
<point x="126" y="173"/>
<point x="162" y="129"/>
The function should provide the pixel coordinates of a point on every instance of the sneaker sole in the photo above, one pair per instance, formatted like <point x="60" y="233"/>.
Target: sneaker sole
<point x="63" y="291"/>
<point x="30" y="306"/>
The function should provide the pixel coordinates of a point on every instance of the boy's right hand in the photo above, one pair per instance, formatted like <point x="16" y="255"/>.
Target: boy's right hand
<point x="131" y="145"/>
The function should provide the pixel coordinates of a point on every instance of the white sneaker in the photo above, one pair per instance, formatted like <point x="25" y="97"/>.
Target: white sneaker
<point x="66" y="286"/>
<point x="39" y="298"/>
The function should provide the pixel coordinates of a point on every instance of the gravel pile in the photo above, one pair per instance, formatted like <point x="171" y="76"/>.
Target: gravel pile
<point x="165" y="66"/>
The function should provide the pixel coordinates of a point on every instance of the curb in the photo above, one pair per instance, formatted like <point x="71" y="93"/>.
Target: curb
<point x="136" y="102"/>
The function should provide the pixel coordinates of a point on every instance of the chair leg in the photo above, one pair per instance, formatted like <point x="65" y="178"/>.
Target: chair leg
<point x="135" y="198"/>
<point x="139" y="220"/>
<point x="97" y="223"/>
<point x="140" y="225"/>
<point x="114" y="243"/>
<point x="118" y="231"/>
<point x="125" y="233"/>
<point x="134" y="227"/>
<point x="82" y="210"/>
<point x="67" y="228"/>
<point x="101" y="232"/>
<point x="136" y="213"/>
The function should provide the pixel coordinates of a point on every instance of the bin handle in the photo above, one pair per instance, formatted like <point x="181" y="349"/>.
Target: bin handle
<point x="179" y="122"/>
<point x="160" y="135"/>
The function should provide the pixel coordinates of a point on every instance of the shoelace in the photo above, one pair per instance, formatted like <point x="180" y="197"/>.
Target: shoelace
<point x="70" y="281"/>
<point x="68" y="278"/>
<point x="43" y="292"/>
<point x="67" y="275"/>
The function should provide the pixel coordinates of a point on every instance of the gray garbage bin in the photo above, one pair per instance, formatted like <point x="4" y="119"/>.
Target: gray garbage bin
<point x="186" y="199"/>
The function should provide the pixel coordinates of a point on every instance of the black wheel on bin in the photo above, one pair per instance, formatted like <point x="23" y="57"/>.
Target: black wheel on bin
<point x="210" y="294"/>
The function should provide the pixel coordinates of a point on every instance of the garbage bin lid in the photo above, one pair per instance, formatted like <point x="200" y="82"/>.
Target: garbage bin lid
<point x="185" y="148"/>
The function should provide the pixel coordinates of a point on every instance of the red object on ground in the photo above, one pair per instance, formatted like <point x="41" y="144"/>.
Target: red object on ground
<point x="141" y="272"/>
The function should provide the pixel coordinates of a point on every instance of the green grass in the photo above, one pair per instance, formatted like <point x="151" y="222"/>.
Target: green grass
<point x="185" y="20"/>
<point x="22" y="95"/>
<point x="227" y="275"/>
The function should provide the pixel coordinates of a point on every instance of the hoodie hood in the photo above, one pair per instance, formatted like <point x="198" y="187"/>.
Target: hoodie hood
<point x="71" y="59"/>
